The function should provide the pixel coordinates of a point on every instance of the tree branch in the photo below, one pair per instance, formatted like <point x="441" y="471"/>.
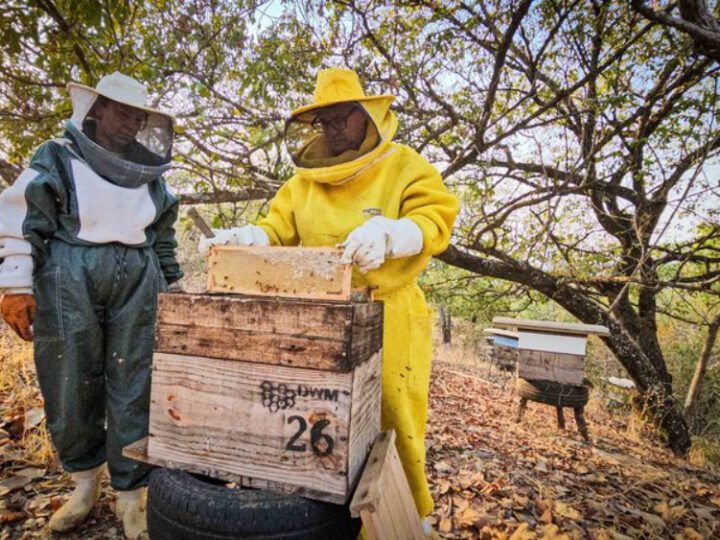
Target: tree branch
<point x="696" y="22"/>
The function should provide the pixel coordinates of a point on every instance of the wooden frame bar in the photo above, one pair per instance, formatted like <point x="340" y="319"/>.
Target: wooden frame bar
<point x="291" y="272"/>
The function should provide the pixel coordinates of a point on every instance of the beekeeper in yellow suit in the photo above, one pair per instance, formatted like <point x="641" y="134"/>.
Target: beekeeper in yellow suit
<point x="388" y="207"/>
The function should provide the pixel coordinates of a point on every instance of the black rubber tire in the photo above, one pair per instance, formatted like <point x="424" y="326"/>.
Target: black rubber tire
<point x="553" y="393"/>
<point x="182" y="506"/>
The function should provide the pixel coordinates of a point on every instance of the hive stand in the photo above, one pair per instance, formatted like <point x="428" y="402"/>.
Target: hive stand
<point x="579" y="413"/>
<point x="555" y="352"/>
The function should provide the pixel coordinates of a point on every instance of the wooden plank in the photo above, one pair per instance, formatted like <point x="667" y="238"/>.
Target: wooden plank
<point x="259" y="314"/>
<point x="366" y="333"/>
<point x="501" y="332"/>
<point x="552" y="327"/>
<point x="297" y="272"/>
<point x="364" y="413"/>
<point x="262" y="348"/>
<point x="540" y="365"/>
<point x="319" y="335"/>
<point x="552" y="343"/>
<point x="138" y="452"/>
<point x="383" y="499"/>
<point x="285" y="425"/>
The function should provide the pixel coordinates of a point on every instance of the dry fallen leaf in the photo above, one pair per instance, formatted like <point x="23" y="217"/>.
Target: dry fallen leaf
<point x="653" y="519"/>
<point x="13" y="483"/>
<point x="522" y="533"/>
<point x="669" y="513"/>
<point x="445" y="469"/>
<point x="11" y="517"/>
<point x="33" y="417"/>
<point x="446" y="525"/>
<point x="581" y="469"/>
<point x="460" y="503"/>
<point x="546" y="516"/>
<point x="600" y="534"/>
<point x="31" y="472"/>
<point x="566" y="511"/>
<point x="56" y="503"/>
<point x="443" y="486"/>
<point x="553" y="532"/>
<point x="469" y="517"/>
<point x="688" y="533"/>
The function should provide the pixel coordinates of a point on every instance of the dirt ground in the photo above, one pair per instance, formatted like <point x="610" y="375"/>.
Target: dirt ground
<point x="495" y="478"/>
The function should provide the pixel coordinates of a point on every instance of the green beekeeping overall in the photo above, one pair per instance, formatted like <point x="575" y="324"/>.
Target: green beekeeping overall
<point x="94" y="252"/>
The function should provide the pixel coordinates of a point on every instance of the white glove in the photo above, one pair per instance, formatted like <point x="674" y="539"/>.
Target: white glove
<point x="381" y="237"/>
<point x="249" y="235"/>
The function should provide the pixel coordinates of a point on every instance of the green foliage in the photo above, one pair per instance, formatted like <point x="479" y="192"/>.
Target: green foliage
<point x="466" y="295"/>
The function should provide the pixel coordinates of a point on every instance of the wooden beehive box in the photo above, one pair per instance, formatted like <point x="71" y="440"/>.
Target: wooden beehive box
<point x="551" y="351"/>
<point x="267" y="392"/>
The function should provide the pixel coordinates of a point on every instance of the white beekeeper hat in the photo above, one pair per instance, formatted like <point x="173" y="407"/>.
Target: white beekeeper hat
<point x="117" y="87"/>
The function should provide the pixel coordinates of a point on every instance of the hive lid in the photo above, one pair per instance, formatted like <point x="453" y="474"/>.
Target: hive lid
<point x="551" y="326"/>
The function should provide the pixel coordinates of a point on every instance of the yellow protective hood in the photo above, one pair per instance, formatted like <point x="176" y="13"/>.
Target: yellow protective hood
<point x="340" y="170"/>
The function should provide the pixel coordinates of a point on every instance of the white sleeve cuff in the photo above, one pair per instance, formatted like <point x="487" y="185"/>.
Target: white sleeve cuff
<point x="24" y="290"/>
<point x="14" y="246"/>
<point x="16" y="272"/>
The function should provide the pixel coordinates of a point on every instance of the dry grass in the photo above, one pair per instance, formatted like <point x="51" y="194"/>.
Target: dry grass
<point x="19" y="394"/>
<point x="705" y="453"/>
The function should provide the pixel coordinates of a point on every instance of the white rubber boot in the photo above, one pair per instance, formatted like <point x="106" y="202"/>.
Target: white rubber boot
<point x="130" y="509"/>
<point x="88" y="485"/>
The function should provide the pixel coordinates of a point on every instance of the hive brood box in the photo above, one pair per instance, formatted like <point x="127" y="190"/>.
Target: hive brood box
<point x="265" y="391"/>
<point x="551" y="351"/>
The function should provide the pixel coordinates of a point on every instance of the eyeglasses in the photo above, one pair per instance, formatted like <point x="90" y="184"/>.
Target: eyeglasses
<point x="334" y="123"/>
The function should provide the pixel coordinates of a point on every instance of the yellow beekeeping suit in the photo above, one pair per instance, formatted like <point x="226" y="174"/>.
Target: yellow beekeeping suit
<point x="320" y="206"/>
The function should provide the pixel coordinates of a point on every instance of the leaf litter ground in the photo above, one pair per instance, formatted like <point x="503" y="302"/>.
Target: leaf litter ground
<point x="492" y="478"/>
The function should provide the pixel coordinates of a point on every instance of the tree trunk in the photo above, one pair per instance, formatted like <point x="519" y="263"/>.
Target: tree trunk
<point x="446" y="324"/>
<point x="655" y="391"/>
<point x="702" y="364"/>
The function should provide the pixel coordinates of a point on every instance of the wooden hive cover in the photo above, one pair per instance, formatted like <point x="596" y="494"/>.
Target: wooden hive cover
<point x="551" y="327"/>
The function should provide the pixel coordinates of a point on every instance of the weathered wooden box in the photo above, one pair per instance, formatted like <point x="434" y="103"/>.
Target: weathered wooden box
<point x="535" y="365"/>
<point x="551" y="351"/>
<point x="268" y="392"/>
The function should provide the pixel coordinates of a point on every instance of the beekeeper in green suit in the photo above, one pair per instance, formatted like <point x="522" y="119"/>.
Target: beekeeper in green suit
<point x="86" y="244"/>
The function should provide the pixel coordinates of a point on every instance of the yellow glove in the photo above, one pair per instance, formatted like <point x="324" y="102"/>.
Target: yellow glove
<point x="18" y="311"/>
